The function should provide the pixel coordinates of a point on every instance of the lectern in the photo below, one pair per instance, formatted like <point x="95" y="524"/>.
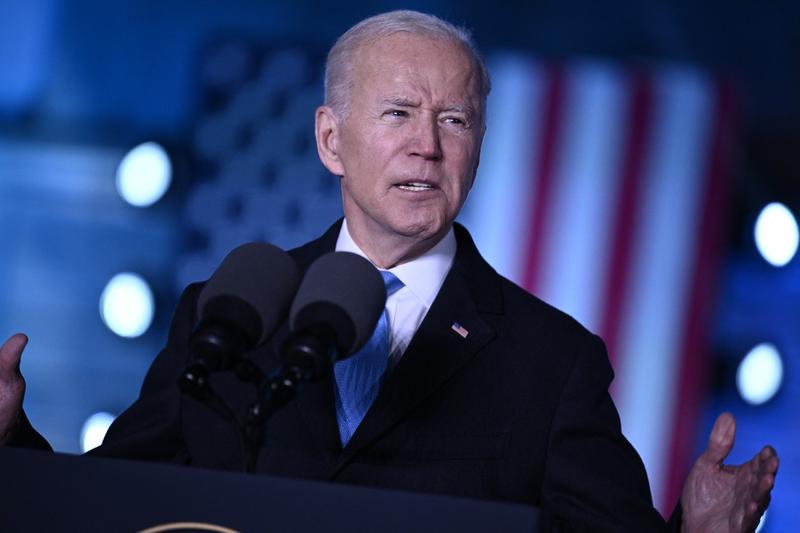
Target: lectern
<point x="52" y="492"/>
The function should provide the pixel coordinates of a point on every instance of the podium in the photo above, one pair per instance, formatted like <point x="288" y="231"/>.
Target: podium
<point x="54" y="492"/>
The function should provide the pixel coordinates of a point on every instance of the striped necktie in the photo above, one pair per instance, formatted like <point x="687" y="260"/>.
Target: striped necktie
<point x="358" y="378"/>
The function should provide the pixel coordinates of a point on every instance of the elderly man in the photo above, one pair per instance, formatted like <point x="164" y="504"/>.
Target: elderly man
<point x="486" y="391"/>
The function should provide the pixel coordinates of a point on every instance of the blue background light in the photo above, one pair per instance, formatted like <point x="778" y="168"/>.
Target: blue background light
<point x="776" y="234"/>
<point x="94" y="430"/>
<point x="144" y="174"/>
<point x="126" y="305"/>
<point x="760" y="374"/>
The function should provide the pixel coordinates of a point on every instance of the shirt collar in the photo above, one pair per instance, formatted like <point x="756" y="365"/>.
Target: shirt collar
<point x="424" y="275"/>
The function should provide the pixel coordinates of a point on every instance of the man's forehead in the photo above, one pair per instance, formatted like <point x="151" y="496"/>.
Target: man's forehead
<point x="405" y="46"/>
<point x="397" y="58"/>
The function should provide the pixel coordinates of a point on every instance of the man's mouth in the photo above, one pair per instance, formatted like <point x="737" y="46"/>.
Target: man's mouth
<point x="415" y="186"/>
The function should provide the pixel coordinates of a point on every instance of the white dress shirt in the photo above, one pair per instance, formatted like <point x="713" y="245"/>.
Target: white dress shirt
<point x="422" y="278"/>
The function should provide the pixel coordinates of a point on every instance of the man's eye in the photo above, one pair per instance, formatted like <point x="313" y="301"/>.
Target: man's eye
<point x="396" y="113"/>
<point x="458" y="121"/>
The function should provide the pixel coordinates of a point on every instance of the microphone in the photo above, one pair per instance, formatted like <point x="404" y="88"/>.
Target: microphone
<point x="333" y="313"/>
<point x="238" y="308"/>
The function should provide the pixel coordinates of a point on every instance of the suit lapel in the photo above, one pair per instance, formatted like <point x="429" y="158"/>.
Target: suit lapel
<point x="437" y="351"/>
<point x="315" y="404"/>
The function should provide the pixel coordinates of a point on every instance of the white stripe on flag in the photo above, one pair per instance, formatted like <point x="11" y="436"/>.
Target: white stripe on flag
<point x="575" y="248"/>
<point x="650" y="341"/>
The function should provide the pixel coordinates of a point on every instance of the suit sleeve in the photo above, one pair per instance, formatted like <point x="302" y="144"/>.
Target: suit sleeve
<point x="150" y="429"/>
<point x="594" y="479"/>
<point x="26" y="436"/>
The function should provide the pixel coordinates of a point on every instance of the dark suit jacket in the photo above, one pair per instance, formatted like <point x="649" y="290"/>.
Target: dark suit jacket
<point x="518" y="410"/>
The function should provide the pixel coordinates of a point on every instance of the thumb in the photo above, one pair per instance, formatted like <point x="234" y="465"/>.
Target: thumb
<point x="11" y="352"/>
<point x="720" y="442"/>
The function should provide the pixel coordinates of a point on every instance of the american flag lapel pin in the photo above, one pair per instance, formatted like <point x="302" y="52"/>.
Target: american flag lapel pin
<point x="461" y="330"/>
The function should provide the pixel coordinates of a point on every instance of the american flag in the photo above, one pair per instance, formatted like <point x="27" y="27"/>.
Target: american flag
<point x="602" y="191"/>
<point x="461" y="330"/>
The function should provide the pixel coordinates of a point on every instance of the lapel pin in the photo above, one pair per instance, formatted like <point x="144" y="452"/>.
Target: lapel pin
<point x="461" y="330"/>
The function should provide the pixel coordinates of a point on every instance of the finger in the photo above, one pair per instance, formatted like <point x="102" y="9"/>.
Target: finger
<point x="761" y="494"/>
<point x="720" y="442"/>
<point x="769" y="460"/>
<point x="764" y="463"/>
<point x="750" y="517"/>
<point x="761" y="487"/>
<point x="11" y="353"/>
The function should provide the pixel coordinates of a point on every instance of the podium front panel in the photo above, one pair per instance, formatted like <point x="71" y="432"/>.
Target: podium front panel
<point x="54" y="492"/>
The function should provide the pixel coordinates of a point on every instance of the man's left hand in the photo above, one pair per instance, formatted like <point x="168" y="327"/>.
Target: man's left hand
<point x="724" y="498"/>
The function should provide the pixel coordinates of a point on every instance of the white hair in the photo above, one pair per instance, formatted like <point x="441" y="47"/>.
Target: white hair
<point x="339" y="65"/>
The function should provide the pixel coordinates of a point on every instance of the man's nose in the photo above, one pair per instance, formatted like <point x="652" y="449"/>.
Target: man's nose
<point x="425" y="142"/>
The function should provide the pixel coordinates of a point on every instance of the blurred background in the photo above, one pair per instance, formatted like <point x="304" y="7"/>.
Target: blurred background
<point x="640" y="171"/>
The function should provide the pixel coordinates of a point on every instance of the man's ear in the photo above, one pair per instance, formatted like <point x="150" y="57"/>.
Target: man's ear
<point x="326" y="129"/>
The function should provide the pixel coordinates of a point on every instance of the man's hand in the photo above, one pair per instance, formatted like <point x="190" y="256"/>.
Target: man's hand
<point x="12" y="385"/>
<point x="723" y="498"/>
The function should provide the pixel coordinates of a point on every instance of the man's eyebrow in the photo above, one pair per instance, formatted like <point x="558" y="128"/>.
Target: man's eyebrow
<point x="400" y="101"/>
<point x="456" y="108"/>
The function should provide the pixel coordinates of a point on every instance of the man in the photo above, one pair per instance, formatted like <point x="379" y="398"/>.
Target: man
<point x="488" y="392"/>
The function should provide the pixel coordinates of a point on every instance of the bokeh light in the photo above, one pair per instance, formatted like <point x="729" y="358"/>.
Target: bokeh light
<point x="127" y="305"/>
<point x="760" y="374"/>
<point x="94" y="430"/>
<point x="776" y="234"/>
<point x="144" y="174"/>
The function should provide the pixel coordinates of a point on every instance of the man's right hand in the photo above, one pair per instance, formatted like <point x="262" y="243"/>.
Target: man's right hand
<point x="12" y="385"/>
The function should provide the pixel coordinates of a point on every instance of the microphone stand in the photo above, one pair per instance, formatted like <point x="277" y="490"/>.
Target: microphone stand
<point x="273" y="394"/>
<point x="214" y="347"/>
<point x="195" y="383"/>
<point x="307" y="356"/>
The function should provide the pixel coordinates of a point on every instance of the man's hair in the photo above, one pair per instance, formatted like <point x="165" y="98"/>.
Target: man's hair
<point x="339" y="66"/>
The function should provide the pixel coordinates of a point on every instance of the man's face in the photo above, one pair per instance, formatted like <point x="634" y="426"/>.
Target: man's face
<point x="409" y="148"/>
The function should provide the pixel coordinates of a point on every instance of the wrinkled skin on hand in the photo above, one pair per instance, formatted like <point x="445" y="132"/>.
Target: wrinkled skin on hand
<point x="12" y="385"/>
<point x="720" y="498"/>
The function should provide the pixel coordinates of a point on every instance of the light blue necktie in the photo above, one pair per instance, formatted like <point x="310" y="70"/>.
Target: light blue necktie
<point x="358" y="378"/>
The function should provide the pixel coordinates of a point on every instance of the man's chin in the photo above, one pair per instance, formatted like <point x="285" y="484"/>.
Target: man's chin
<point x="406" y="228"/>
<point x="420" y="229"/>
<point x="421" y="240"/>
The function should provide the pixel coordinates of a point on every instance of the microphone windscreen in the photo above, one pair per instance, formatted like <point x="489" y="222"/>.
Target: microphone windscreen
<point x="251" y="290"/>
<point x="344" y="293"/>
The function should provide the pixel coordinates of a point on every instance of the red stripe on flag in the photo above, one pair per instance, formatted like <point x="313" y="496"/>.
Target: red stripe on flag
<point x="543" y="178"/>
<point x="623" y="225"/>
<point x="693" y="360"/>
